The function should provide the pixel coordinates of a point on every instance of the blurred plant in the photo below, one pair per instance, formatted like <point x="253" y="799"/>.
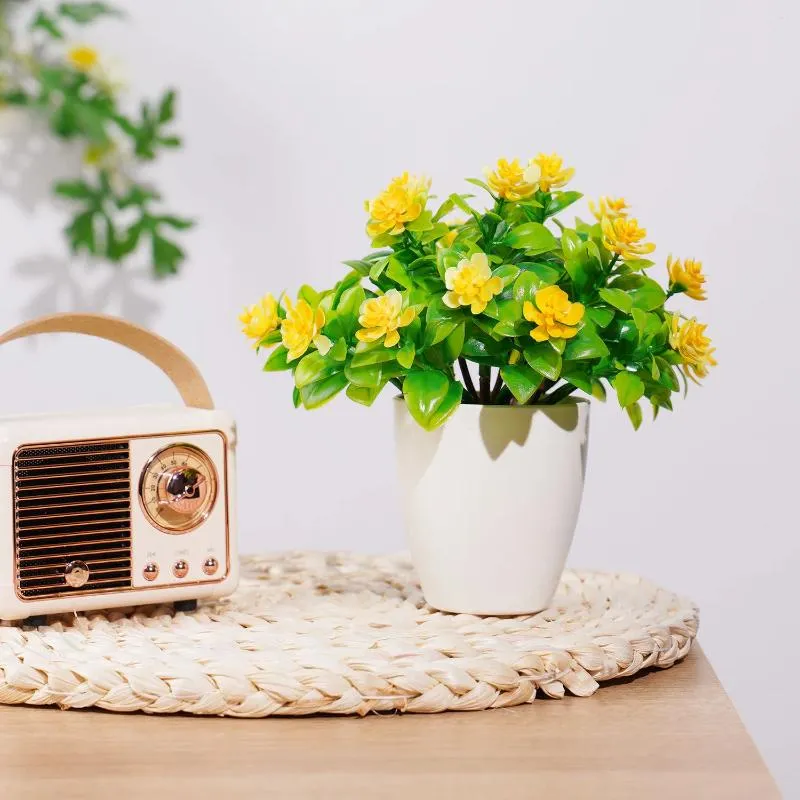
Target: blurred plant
<point x="541" y="309"/>
<point x="70" y="86"/>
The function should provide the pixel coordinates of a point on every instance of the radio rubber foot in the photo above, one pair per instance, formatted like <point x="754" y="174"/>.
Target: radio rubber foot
<point x="35" y="621"/>
<point x="187" y="606"/>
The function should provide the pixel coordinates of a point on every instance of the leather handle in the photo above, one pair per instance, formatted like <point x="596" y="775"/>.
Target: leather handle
<point x="174" y="363"/>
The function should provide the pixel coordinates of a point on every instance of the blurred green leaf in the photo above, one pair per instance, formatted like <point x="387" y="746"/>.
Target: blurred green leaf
<point x="630" y="388"/>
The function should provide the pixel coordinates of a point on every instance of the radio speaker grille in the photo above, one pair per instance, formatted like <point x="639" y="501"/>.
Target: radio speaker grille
<point x="72" y="502"/>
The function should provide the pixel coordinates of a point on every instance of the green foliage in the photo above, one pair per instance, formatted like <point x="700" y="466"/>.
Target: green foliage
<point x="548" y="310"/>
<point x="115" y="215"/>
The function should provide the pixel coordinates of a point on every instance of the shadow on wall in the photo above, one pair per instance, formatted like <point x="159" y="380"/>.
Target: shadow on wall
<point x="31" y="160"/>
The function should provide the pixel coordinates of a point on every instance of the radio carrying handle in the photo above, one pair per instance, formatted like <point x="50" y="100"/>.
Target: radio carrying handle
<point x="174" y="363"/>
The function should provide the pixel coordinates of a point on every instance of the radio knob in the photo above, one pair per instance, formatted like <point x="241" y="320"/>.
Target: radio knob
<point x="180" y="569"/>
<point x="150" y="571"/>
<point x="76" y="574"/>
<point x="210" y="565"/>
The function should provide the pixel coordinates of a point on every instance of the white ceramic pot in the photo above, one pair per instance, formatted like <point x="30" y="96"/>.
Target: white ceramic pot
<point x="491" y="500"/>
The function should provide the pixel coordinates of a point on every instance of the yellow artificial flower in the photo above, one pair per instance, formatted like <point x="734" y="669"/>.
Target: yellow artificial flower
<point x="548" y="172"/>
<point x="611" y="207"/>
<point x="694" y="346"/>
<point x="508" y="180"/>
<point x="687" y="277"/>
<point x="382" y="316"/>
<point x="471" y="284"/>
<point x="82" y="57"/>
<point x="260" y="319"/>
<point x="555" y="316"/>
<point x="623" y="236"/>
<point x="301" y="327"/>
<point x="401" y="202"/>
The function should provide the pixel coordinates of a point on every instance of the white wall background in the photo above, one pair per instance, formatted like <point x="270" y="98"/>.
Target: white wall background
<point x="294" y="112"/>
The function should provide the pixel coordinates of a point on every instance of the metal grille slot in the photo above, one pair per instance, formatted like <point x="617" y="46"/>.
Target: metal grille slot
<point x="72" y="502"/>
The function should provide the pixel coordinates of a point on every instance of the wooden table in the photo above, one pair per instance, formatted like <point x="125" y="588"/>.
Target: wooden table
<point x="671" y="734"/>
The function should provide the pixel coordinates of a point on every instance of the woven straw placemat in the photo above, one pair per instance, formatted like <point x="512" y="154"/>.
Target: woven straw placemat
<point x="344" y="634"/>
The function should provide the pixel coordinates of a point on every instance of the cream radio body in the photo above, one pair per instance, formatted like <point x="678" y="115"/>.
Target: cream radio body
<point x="120" y="508"/>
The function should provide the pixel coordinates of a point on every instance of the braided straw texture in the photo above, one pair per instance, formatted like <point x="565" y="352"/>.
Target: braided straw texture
<point x="344" y="634"/>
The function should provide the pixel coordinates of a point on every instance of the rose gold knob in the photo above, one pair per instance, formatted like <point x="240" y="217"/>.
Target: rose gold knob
<point x="210" y="565"/>
<point x="180" y="569"/>
<point x="76" y="574"/>
<point x="150" y="571"/>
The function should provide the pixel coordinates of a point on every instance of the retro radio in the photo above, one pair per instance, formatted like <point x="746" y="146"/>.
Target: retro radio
<point x="117" y="508"/>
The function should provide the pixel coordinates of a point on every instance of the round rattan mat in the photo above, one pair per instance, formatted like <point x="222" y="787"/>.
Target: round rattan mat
<point x="344" y="634"/>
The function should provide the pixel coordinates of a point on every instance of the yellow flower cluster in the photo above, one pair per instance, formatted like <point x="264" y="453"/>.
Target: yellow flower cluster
<point x="555" y="316"/>
<point x="623" y="236"/>
<point x="689" y="339"/>
<point x="471" y="284"/>
<point x="687" y="277"/>
<point x="611" y="207"/>
<point x="301" y="327"/>
<point x="511" y="181"/>
<point x="261" y="319"/>
<point x="83" y="58"/>
<point x="400" y="203"/>
<point x="382" y="316"/>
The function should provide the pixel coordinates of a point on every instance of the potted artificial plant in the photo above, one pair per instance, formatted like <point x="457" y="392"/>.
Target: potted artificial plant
<point x="489" y="327"/>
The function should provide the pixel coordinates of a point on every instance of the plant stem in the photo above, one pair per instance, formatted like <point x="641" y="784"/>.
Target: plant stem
<point x="560" y="394"/>
<point x="462" y="363"/>
<point x="485" y="381"/>
<point x="498" y="385"/>
<point x="398" y="383"/>
<point x="612" y="262"/>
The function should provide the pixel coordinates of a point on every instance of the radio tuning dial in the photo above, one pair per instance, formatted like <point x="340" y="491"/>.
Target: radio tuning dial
<point x="178" y="488"/>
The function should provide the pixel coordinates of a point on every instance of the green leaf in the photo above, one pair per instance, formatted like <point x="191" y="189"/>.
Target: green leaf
<point x="586" y="344"/>
<point x="370" y="353"/>
<point x="600" y="315"/>
<point x="617" y="298"/>
<point x="476" y="182"/>
<point x="277" y="360"/>
<point x="339" y="351"/>
<point x="397" y="272"/>
<point x="166" y="108"/>
<point x="546" y="273"/>
<point x="364" y="395"/>
<point x="578" y="376"/>
<point x="46" y="23"/>
<point x="451" y="346"/>
<point x="638" y="263"/>
<point x="570" y="243"/>
<point x="314" y="367"/>
<point x="630" y="388"/>
<point x="75" y="190"/>
<point x="649" y="295"/>
<point x="440" y="322"/>
<point x="532" y="237"/>
<point x="89" y="121"/>
<point x="405" y="355"/>
<point x="84" y="13"/>
<point x="80" y="232"/>
<point x="377" y="268"/>
<point x="521" y="380"/>
<point x="507" y="273"/>
<point x="370" y="377"/>
<point x="424" y="222"/>
<point x="361" y="267"/>
<point x="559" y="201"/>
<point x="598" y="390"/>
<point x="296" y="400"/>
<point x="635" y="415"/>
<point x="320" y="392"/>
<point x="526" y="286"/>
<point x="431" y="397"/>
<point x="178" y="223"/>
<point x="544" y="359"/>
<point x="166" y="255"/>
